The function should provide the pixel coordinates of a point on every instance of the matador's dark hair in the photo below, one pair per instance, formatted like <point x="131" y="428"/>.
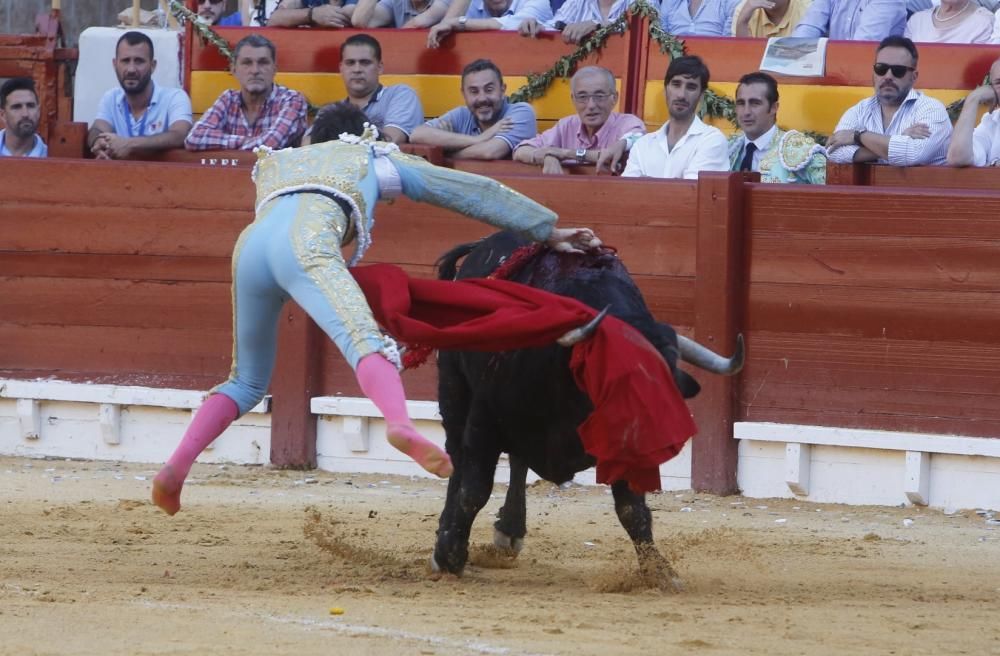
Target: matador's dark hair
<point x="335" y="119"/>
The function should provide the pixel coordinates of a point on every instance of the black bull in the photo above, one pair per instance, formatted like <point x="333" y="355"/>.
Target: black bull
<point x="526" y="403"/>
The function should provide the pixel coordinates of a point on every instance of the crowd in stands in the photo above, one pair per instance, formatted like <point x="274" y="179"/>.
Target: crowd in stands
<point x="897" y="125"/>
<point x="923" y="21"/>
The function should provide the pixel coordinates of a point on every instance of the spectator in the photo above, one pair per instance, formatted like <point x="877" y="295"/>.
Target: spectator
<point x="853" y="20"/>
<point x="395" y="109"/>
<point x="578" y="139"/>
<point x="767" y="18"/>
<point x="308" y="13"/>
<point x="953" y="21"/>
<point x="898" y="125"/>
<point x="981" y="146"/>
<point x="260" y="113"/>
<point x="577" y="19"/>
<point x="210" y="12"/>
<point x="525" y="16"/>
<point x="779" y="156"/>
<point x="488" y="126"/>
<point x="418" y="14"/>
<point x="697" y="17"/>
<point x="139" y="117"/>
<point x="20" y="112"/>
<point x="684" y="145"/>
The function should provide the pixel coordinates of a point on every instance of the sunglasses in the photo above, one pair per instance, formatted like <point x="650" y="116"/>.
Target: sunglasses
<point x="898" y="70"/>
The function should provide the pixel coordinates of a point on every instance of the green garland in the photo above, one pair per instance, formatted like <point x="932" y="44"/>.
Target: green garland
<point x="183" y="14"/>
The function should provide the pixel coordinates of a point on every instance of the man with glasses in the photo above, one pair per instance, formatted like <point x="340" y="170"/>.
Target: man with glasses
<point x="579" y="139"/>
<point x="898" y="125"/>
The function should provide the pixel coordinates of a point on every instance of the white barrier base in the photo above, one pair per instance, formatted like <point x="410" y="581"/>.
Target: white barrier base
<point x="836" y="465"/>
<point x="135" y="424"/>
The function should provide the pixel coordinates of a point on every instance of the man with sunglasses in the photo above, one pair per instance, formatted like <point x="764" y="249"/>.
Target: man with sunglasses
<point x="979" y="145"/>
<point x="898" y="125"/>
<point x="579" y="139"/>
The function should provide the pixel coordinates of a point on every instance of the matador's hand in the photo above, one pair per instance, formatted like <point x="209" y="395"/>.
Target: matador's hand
<point x="573" y="240"/>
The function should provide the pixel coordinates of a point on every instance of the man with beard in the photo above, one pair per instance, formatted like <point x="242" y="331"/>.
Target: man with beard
<point x="898" y="125"/>
<point x="140" y="117"/>
<point x="210" y="12"/>
<point x="488" y="126"/>
<point x="20" y="113"/>
<point x="762" y="146"/>
<point x="578" y="139"/>
<point x="259" y="113"/>
<point x="684" y="145"/>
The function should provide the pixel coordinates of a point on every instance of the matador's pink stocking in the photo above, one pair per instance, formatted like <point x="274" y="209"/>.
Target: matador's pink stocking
<point x="380" y="382"/>
<point x="213" y="417"/>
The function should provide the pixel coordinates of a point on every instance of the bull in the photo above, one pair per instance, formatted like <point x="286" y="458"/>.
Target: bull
<point x="526" y="403"/>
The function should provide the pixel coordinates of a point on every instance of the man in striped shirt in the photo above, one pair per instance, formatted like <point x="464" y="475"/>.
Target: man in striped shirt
<point x="898" y="125"/>
<point x="259" y="113"/>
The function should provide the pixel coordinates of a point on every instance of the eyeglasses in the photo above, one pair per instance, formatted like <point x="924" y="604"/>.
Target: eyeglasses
<point x="898" y="70"/>
<point x="599" y="98"/>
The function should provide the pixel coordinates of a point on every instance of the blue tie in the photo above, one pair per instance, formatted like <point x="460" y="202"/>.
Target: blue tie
<point x="747" y="163"/>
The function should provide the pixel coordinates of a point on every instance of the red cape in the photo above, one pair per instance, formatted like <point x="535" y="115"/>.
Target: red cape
<point x="639" y="419"/>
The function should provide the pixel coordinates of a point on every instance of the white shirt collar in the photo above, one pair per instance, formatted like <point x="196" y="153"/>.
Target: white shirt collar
<point x="763" y="142"/>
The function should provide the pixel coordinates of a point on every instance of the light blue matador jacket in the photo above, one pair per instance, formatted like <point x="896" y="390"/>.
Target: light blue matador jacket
<point x="792" y="157"/>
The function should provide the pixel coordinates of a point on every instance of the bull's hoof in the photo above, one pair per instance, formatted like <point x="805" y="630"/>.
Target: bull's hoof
<point x="440" y="567"/>
<point x="503" y="541"/>
<point x="657" y="570"/>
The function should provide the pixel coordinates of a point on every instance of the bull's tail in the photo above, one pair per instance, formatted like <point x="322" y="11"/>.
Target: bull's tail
<point x="447" y="264"/>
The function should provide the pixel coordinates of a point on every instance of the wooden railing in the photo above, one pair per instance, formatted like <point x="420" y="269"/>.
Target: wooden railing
<point x="863" y="307"/>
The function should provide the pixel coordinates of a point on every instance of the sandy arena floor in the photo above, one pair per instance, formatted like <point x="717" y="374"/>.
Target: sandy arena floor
<point x="256" y="560"/>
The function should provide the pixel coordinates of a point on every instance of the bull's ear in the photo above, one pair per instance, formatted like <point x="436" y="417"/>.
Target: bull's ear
<point x="687" y="385"/>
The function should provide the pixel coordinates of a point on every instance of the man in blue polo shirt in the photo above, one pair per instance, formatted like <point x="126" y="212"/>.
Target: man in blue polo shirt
<point x="20" y="113"/>
<point x="139" y="117"/>
<point x="488" y="127"/>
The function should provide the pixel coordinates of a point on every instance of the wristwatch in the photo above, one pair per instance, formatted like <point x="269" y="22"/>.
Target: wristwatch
<point x="857" y="138"/>
<point x="581" y="154"/>
<point x="309" y="16"/>
<point x="461" y="23"/>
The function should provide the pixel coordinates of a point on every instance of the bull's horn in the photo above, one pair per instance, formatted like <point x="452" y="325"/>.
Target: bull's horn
<point x="583" y="332"/>
<point x="701" y="356"/>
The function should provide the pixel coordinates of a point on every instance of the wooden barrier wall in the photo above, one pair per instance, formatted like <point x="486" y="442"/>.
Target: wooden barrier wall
<point x="863" y="307"/>
<point x="874" y="308"/>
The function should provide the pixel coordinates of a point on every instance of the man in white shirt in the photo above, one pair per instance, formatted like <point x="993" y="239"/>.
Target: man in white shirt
<point x="979" y="146"/>
<point x="684" y="145"/>
<point x="898" y="125"/>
